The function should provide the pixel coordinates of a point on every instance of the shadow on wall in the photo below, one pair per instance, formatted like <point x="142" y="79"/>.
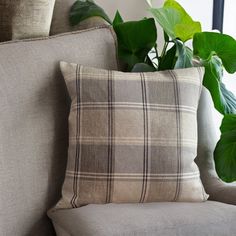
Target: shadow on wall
<point x="130" y="10"/>
<point x="6" y="25"/>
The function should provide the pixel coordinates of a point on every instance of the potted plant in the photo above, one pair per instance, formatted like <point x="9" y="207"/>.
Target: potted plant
<point x="137" y="50"/>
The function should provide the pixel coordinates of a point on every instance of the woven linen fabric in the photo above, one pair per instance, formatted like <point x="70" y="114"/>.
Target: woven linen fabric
<point x="20" y="19"/>
<point x="132" y="136"/>
<point x="34" y="108"/>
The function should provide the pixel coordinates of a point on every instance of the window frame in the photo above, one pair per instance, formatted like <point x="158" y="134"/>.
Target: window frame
<point x="218" y="15"/>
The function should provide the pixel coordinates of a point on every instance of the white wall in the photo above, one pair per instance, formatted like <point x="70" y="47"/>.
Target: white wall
<point x="229" y="27"/>
<point x="136" y="9"/>
<point x="200" y="10"/>
<point x="230" y="18"/>
<point x="129" y="9"/>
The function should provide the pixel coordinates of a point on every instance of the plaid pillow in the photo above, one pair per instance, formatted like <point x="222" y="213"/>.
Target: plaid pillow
<point x="132" y="136"/>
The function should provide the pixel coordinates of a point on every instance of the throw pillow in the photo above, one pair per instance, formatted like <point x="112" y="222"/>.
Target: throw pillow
<point x="20" y="19"/>
<point x="132" y="136"/>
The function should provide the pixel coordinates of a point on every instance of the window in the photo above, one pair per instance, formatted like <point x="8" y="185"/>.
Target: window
<point x="228" y="21"/>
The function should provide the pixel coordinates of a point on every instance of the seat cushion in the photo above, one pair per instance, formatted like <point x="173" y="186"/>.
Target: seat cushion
<point x="34" y="106"/>
<point x="157" y="219"/>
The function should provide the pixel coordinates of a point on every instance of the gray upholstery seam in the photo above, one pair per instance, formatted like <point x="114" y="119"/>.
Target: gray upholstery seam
<point x="116" y="45"/>
<point x="58" y="35"/>
<point x="72" y="33"/>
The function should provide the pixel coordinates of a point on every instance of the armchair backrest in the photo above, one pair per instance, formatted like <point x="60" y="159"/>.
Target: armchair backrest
<point x="33" y="115"/>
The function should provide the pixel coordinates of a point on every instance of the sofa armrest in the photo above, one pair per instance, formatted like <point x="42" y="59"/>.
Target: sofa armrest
<point x="207" y="139"/>
<point x="217" y="189"/>
<point x="222" y="192"/>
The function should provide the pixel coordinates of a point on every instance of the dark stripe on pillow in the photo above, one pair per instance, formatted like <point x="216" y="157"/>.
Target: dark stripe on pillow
<point x="178" y="127"/>
<point x="77" y="152"/>
<point x="145" y="147"/>
<point x="110" y="135"/>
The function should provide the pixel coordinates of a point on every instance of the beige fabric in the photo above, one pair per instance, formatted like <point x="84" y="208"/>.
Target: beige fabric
<point x="60" y="21"/>
<point x="148" y="219"/>
<point x="20" y="19"/>
<point x="207" y="139"/>
<point x="33" y="116"/>
<point x="133" y="137"/>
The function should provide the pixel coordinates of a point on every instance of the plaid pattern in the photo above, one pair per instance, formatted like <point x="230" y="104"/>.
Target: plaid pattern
<point x="133" y="136"/>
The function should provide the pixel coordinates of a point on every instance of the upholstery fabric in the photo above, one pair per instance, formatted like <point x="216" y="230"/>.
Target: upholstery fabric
<point x="133" y="136"/>
<point x="150" y="219"/>
<point x="60" y="20"/>
<point x="207" y="139"/>
<point x="34" y="106"/>
<point x="20" y="19"/>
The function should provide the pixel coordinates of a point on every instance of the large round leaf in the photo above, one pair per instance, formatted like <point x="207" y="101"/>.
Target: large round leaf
<point x="207" y="44"/>
<point x="186" y="28"/>
<point x="175" y="21"/>
<point x="185" y="56"/>
<point x="167" y="18"/>
<point x="224" y="100"/>
<point x="225" y="152"/>
<point x="135" y="40"/>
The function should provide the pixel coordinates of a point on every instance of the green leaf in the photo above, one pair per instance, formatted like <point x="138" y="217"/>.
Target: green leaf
<point x="168" y="61"/>
<point x="228" y="123"/>
<point x="175" y="21"/>
<point x="143" y="67"/>
<point x="229" y="100"/>
<point x="167" y="18"/>
<point x="84" y="9"/>
<point x="224" y="100"/>
<point x="135" y="40"/>
<point x="185" y="56"/>
<point x="118" y="19"/>
<point x="207" y="44"/>
<point x="186" y="28"/>
<point x="225" y="152"/>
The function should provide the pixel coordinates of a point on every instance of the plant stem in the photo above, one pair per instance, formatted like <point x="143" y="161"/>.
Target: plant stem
<point x="164" y="49"/>
<point x="157" y="55"/>
<point x="156" y="51"/>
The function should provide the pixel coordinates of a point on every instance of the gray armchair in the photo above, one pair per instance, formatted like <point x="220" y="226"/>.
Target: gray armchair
<point x="33" y="150"/>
